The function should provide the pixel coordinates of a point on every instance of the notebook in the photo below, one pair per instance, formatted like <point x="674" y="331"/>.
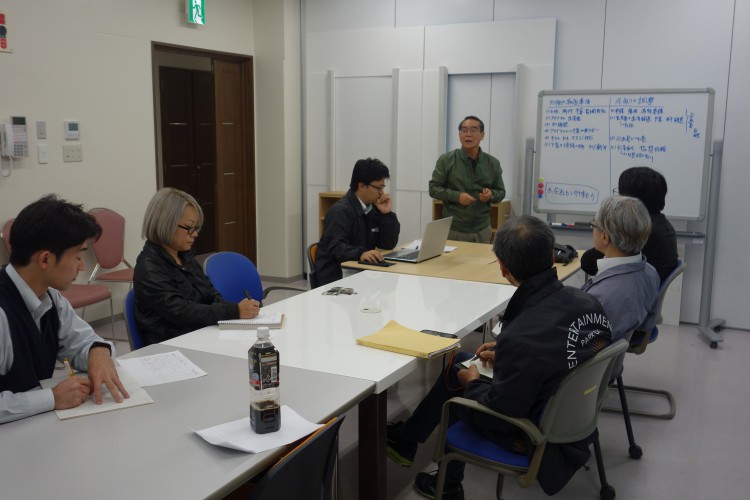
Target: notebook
<point x="433" y="242"/>
<point x="397" y="338"/>
<point x="271" y="319"/>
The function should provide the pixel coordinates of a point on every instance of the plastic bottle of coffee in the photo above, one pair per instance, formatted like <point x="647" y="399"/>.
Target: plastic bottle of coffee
<point x="263" y="360"/>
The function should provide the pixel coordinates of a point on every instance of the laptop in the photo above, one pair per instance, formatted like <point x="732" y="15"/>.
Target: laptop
<point x="433" y="243"/>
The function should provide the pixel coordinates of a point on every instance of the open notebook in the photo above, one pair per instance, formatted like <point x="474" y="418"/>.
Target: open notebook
<point x="271" y="319"/>
<point x="397" y="338"/>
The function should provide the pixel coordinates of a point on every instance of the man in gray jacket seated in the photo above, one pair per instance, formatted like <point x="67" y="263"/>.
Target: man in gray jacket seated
<point x="626" y="285"/>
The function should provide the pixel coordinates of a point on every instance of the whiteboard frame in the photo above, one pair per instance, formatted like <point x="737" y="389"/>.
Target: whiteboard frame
<point x="706" y="151"/>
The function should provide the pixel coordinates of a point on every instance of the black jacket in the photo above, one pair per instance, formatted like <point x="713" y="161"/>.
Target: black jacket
<point x="171" y="300"/>
<point x="535" y="351"/>
<point x="660" y="249"/>
<point x="348" y="233"/>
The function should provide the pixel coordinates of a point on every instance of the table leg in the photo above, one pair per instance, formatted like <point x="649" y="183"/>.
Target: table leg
<point x="373" y="415"/>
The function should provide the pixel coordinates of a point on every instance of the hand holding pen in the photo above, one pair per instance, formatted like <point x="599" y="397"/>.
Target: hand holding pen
<point x="249" y="308"/>
<point x="486" y="353"/>
<point x="72" y="391"/>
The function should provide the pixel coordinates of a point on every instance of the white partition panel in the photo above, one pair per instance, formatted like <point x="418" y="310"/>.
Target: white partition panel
<point x="409" y="203"/>
<point x="391" y="89"/>
<point x="490" y="47"/>
<point x="362" y="123"/>
<point x="409" y="119"/>
<point x="317" y="128"/>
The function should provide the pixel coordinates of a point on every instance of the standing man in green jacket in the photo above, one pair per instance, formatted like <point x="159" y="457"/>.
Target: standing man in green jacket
<point x="468" y="180"/>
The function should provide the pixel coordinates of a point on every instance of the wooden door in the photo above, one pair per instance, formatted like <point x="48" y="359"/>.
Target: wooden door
<point x="235" y="211"/>
<point x="188" y="142"/>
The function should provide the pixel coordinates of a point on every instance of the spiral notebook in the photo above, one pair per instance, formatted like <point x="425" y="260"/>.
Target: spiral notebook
<point x="271" y="319"/>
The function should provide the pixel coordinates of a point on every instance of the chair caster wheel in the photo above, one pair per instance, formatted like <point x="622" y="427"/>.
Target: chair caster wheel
<point x="713" y="345"/>
<point x="607" y="493"/>
<point x="635" y="452"/>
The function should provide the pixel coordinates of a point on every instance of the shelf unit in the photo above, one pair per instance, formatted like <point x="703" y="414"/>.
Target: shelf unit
<point x="326" y="200"/>
<point x="499" y="213"/>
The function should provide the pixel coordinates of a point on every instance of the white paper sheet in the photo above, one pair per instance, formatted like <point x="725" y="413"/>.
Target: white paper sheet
<point x="161" y="368"/>
<point x="238" y="435"/>
<point x="138" y="396"/>
<point x="485" y="371"/>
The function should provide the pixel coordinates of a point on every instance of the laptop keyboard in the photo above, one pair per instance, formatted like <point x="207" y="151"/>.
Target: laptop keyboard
<point x="411" y="255"/>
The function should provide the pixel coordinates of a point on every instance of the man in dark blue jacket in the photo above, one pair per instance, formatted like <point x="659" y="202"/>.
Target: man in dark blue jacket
<point x="548" y="330"/>
<point x="358" y="223"/>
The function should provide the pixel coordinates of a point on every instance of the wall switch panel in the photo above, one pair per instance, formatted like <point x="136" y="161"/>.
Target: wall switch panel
<point x="42" y="153"/>
<point x="71" y="153"/>
<point x="41" y="130"/>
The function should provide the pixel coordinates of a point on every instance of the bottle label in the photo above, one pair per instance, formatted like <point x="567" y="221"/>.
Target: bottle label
<point x="265" y="370"/>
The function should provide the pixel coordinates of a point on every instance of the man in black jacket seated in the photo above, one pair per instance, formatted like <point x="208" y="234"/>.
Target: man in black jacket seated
<point x="358" y="223"/>
<point x="548" y="329"/>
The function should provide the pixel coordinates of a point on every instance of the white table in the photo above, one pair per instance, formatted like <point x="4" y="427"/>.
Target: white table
<point x="320" y="331"/>
<point x="151" y="451"/>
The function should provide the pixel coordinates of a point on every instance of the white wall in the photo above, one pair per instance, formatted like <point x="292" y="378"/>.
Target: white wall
<point x="278" y="138"/>
<point x="614" y="44"/>
<point x="90" y="60"/>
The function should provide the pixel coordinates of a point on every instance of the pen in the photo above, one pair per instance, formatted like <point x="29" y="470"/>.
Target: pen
<point x="476" y="356"/>
<point x="71" y="373"/>
<point x="249" y="297"/>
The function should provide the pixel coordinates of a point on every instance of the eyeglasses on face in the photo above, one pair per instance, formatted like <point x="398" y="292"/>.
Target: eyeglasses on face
<point x="379" y="188"/>
<point x="469" y="130"/>
<point x="191" y="230"/>
<point x="594" y="225"/>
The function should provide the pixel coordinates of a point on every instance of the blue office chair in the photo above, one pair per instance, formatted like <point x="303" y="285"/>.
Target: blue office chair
<point x="307" y="471"/>
<point x="638" y="341"/>
<point x="638" y="344"/>
<point x="232" y="273"/>
<point x="570" y="415"/>
<point x="134" y="335"/>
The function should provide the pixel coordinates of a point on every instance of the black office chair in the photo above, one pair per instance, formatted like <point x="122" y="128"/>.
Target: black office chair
<point x="306" y="472"/>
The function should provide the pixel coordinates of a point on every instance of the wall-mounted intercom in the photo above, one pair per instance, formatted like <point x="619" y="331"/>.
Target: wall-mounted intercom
<point x="14" y="142"/>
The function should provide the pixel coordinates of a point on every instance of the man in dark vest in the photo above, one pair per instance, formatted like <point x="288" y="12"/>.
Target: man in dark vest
<point x="38" y="325"/>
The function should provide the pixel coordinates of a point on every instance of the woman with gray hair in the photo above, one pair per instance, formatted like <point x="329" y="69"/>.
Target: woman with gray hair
<point x="626" y="285"/>
<point x="172" y="294"/>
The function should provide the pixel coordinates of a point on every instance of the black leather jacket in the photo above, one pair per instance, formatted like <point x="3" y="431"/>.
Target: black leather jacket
<point x="171" y="300"/>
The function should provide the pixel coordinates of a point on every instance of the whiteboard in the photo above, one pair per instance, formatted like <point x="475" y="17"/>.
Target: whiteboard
<point x="585" y="139"/>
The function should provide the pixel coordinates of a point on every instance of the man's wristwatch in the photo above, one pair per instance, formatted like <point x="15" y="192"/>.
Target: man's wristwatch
<point x="101" y="344"/>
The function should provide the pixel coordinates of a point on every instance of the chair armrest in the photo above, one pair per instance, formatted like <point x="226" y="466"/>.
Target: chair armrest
<point x="524" y="424"/>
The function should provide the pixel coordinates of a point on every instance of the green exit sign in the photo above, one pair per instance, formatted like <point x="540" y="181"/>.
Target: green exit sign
<point x="196" y="11"/>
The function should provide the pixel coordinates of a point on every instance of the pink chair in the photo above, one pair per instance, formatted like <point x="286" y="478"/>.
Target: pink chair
<point x="109" y="249"/>
<point x="79" y="296"/>
<point x="5" y="235"/>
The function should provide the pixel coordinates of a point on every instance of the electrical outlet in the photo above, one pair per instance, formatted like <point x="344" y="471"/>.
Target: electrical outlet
<point x="71" y="153"/>
<point x="41" y="151"/>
